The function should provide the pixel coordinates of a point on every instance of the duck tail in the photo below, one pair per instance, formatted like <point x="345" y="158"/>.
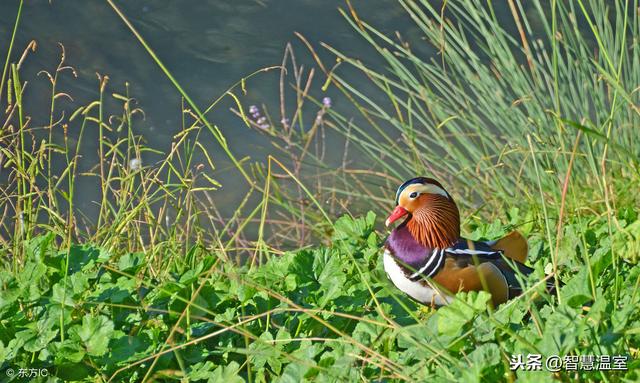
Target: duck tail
<point x="513" y="245"/>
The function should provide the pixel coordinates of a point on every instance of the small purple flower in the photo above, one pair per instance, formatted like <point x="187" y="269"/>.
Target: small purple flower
<point x="254" y="110"/>
<point x="326" y="102"/>
<point x="255" y="115"/>
<point x="285" y="122"/>
<point x="261" y="120"/>
<point x="264" y="126"/>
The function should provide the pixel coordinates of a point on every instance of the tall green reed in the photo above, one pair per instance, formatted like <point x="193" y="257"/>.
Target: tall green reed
<point x="466" y="115"/>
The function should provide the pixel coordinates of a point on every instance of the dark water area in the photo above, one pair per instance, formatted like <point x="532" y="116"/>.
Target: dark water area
<point x="208" y="45"/>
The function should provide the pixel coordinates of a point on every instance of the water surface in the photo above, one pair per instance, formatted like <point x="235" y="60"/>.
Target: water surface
<point x="207" y="45"/>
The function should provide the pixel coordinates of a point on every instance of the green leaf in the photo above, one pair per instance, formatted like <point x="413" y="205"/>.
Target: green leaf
<point x="264" y="350"/>
<point x="30" y="279"/>
<point x="452" y="318"/>
<point x="79" y="283"/>
<point x="293" y="373"/>
<point x="40" y="247"/>
<point x="486" y="355"/>
<point x="94" y="333"/>
<point x="350" y="229"/>
<point x="8" y="297"/>
<point x="62" y="297"/>
<point x="227" y="374"/>
<point x="43" y="335"/>
<point x="577" y="291"/>
<point x="509" y="314"/>
<point x="201" y="370"/>
<point x="191" y="275"/>
<point x="127" y="347"/>
<point x="73" y="371"/>
<point x="332" y="280"/>
<point x="70" y="350"/>
<point x="482" y="359"/>
<point x="81" y="256"/>
<point x="562" y="331"/>
<point x="4" y="353"/>
<point x="131" y="262"/>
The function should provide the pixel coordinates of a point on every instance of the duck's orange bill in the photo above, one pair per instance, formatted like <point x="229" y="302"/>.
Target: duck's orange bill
<point x="396" y="214"/>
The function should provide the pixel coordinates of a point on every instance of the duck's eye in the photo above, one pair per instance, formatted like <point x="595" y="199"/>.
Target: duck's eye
<point x="413" y="195"/>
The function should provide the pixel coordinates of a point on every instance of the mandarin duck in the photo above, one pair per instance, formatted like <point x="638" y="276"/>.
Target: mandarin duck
<point x="427" y="247"/>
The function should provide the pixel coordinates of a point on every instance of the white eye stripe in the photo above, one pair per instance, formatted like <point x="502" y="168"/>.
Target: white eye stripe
<point x="426" y="188"/>
<point x="433" y="189"/>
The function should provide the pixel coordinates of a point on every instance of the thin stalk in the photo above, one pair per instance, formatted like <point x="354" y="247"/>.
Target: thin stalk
<point x="10" y="49"/>
<point x="554" y="254"/>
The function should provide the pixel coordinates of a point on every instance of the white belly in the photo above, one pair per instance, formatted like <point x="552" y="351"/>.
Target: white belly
<point x="416" y="290"/>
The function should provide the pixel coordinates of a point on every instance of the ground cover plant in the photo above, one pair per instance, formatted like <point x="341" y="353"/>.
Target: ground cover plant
<point x="536" y="133"/>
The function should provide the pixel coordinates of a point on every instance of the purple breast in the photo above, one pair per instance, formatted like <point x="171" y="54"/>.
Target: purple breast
<point x="405" y="248"/>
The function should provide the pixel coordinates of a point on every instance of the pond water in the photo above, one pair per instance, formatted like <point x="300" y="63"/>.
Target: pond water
<point x="207" y="45"/>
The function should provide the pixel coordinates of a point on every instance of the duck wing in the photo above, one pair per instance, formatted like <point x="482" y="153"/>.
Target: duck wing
<point x="468" y="263"/>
